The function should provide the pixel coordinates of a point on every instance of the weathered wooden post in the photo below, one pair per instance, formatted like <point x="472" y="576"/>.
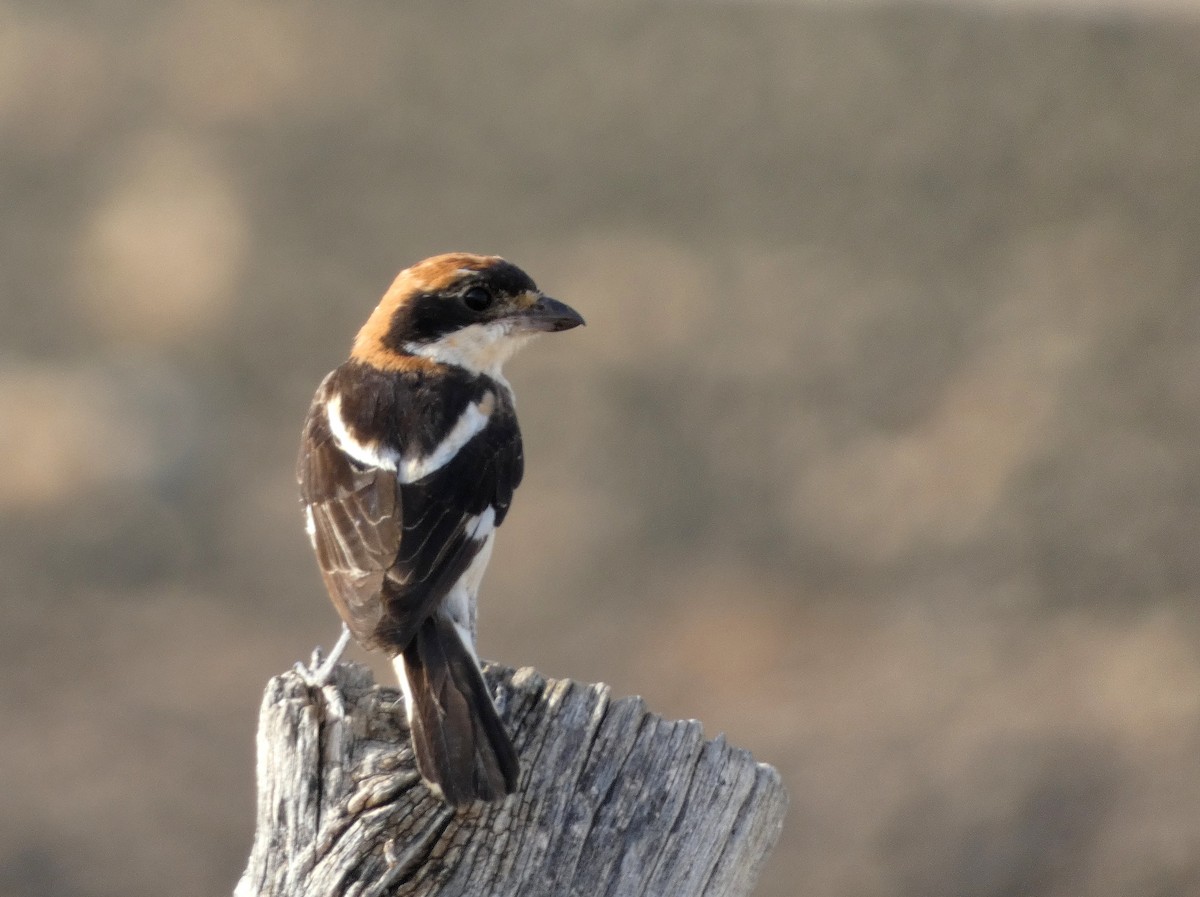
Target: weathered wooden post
<point x="613" y="800"/>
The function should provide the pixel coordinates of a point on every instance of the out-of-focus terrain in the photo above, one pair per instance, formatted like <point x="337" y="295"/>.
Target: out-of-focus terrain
<point x="879" y="452"/>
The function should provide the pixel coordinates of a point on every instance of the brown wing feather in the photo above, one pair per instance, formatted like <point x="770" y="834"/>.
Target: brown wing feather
<point x="355" y="523"/>
<point x="390" y="553"/>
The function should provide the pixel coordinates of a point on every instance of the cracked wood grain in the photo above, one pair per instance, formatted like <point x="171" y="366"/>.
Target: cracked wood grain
<point x="613" y="800"/>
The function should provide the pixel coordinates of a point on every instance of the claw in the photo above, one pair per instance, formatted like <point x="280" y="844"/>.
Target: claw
<point x="318" y="672"/>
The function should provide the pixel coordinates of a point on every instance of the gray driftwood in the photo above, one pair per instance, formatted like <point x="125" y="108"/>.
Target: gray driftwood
<point x="612" y="801"/>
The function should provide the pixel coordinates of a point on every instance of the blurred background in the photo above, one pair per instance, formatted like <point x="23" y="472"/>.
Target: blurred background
<point x="878" y="453"/>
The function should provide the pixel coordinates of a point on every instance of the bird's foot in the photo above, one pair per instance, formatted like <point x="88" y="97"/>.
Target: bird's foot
<point x="318" y="671"/>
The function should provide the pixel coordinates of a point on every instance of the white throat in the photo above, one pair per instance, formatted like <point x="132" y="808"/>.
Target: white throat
<point x="480" y="348"/>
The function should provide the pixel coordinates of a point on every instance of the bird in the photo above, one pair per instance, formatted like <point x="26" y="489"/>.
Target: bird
<point x="409" y="457"/>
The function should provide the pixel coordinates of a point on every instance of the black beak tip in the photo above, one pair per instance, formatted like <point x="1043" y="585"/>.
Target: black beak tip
<point x="569" y="323"/>
<point x="558" y="316"/>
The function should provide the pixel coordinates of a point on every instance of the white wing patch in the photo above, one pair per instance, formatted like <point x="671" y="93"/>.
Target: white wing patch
<point x="310" y="525"/>
<point x="481" y="527"/>
<point x="402" y="675"/>
<point x="473" y="420"/>
<point x="366" y="453"/>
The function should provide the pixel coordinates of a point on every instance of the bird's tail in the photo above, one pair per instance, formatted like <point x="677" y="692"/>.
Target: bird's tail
<point x="462" y="748"/>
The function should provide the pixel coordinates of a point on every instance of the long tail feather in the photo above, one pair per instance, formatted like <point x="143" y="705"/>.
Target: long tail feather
<point x="461" y="745"/>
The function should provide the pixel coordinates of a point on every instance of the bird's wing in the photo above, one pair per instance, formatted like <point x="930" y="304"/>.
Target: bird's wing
<point x="448" y="518"/>
<point x="389" y="553"/>
<point x="353" y="519"/>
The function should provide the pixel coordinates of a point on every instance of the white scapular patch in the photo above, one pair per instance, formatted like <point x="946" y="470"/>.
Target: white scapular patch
<point x="367" y="453"/>
<point x="480" y="348"/>
<point x="473" y="420"/>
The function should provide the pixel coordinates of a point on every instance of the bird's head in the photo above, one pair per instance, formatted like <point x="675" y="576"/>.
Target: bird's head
<point x="474" y="311"/>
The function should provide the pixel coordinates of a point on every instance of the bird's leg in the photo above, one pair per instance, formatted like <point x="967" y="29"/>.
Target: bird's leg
<point x="317" y="673"/>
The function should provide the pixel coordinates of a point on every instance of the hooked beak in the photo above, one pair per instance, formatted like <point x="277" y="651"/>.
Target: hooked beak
<point x="549" y="315"/>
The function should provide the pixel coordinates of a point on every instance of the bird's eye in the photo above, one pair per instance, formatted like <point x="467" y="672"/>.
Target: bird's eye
<point x="477" y="299"/>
